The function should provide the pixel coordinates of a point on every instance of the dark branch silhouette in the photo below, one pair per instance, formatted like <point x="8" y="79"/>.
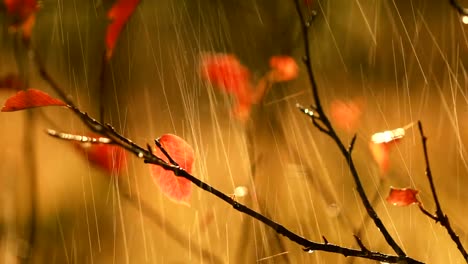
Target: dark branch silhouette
<point x="460" y="9"/>
<point x="319" y="119"/>
<point x="439" y="216"/>
<point x="318" y="115"/>
<point x="116" y="138"/>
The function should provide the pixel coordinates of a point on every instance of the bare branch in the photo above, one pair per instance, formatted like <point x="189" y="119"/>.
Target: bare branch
<point x="331" y="133"/>
<point x="440" y="216"/>
<point x="361" y="245"/>
<point x="83" y="139"/>
<point x="351" y="145"/>
<point x="315" y="118"/>
<point x="120" y="140"/>
<point x="460" y="9"/>
<point x="424" y="211"/>
<point x="163" y="150"/>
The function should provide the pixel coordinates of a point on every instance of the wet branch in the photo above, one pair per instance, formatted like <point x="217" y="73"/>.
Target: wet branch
<point x="321" y="121"/>
<point x="460" y="9"/>
<point x="116" y="138"/>
<point x="439" y="216"/>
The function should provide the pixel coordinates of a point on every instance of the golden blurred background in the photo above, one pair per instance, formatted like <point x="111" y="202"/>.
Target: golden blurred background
<point x="406" y="59"/>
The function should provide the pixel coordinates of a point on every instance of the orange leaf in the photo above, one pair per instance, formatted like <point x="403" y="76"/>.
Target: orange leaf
<point x="402" y="197"/>
<point x="110" y="158"/>
<point x="381" y="154"/>
<point x="241" y="111"/>
<point x="175" y="188"/>
<point x="226" y="72"/>
<point x="284" y="68"/>
<point x="381" y="144"/>
<point x="29" y="99"/>
<point x="346" y="115"/>
<point x="23" y="12"/>
<point x="118" y="15"/>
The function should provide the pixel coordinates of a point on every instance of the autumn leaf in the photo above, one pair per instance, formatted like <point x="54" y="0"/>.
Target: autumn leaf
<point x="284" y="68"/>
<point x="23" y="13"/>
<point x="346" y="115"/>
<point x="29" y="99"/>
<point x="402" y="197"/>
<point x="381" y="154"/>
<point x="110" y="158"/>
<point x="118" y="15"/>
<point x="176" y="188"/>
<point x="381" y="145"/>
<point x="226" y="72"/>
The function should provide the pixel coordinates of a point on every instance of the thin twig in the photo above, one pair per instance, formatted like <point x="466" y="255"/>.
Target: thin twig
<point x="351" y="145"/>
<point x="361" y="245"/>
<point x="440" y="216"/>
<point x="460" y="9"/>
<point x="149" y="157"/>
<point x="424" y="211"/>
<point x="329" y="130"/>
<point x="171" y="160"/>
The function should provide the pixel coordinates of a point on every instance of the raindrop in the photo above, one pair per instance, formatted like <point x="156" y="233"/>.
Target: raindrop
<point x="333" y="210"/>
<point x="465" y="20"/>
<point x="241" y="191"/>
<point x="310" y="251"/>
<point x="140" y="154"/>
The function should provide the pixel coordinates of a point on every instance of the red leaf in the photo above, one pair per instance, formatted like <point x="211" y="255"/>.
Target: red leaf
<point x="110" y="158"/>
<point x="226" y="72"/>
<point x="118" y="15"/>
<point x="346" y="115"/>
<point x="23" y="12"/>
<point x="284" y="68"/>
<point x="175" y="188"/>
<point x="381" y="154"/>
<point x="403" y="197"/>
<point x="241" y="111"/>
<point x="29" y="99"/>
<point x="381" y="144"/>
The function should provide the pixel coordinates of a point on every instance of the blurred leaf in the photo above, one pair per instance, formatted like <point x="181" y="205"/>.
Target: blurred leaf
<point x="226" y="72"/>
<point x="381" y="145"/>
<point x="284" y="68"/>
<point x="23" y="12"/>
<point x="346" y="115"/>
<point x="118" y="15"/>
<point x="110" y="158"/>
<point x="402" y="197"/>
<point x="381" y="154"/>
<point x="175" y="188"/>
<point x="29" y="99"/>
